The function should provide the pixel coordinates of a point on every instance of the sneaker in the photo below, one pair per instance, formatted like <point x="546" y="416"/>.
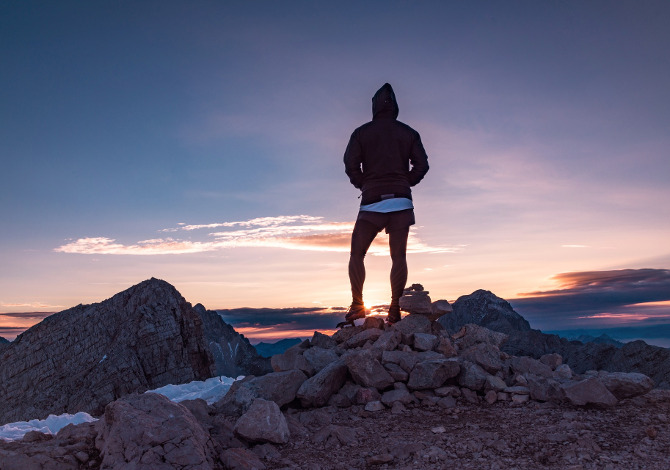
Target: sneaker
<point x="394" y="315"/>
<point x="355" y="311"/>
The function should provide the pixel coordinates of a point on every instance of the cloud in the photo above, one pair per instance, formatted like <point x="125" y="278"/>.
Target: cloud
<point x="299" y="232"/>
<point x="599" y="298"/>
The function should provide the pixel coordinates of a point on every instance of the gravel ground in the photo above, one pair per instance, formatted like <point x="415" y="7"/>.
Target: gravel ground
<point x="635" y="434"/>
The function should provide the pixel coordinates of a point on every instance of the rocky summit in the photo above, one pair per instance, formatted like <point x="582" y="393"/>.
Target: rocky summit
<point x="411" y="395"/>
<point x="145" y="337"/>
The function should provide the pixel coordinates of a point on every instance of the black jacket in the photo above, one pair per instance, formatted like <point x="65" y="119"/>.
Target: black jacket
<point x="379" y="154"/>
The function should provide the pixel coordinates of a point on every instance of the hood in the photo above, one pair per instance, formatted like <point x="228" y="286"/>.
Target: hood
<point x="384" y="104"/>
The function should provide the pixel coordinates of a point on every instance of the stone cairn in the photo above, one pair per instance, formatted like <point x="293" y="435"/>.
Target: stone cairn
<point x="412" y="363"/>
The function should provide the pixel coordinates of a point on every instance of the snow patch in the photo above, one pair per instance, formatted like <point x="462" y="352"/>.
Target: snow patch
<point x="51" y="425"/>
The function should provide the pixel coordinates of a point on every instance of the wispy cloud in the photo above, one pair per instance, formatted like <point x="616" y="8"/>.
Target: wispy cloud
<point x="599" y="297"/>
<point x="299" y="232"/>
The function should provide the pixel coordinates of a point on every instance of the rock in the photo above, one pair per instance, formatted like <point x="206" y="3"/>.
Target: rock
<point x="367" y="371"/>
<point x="292" y="359"/>
<point x="472" y="376"/>
<point x="374" y="406"/>
<point x="552" y="360"/>
<point x="316" y="390"/>
<point x="344" y="334"/>
<point x="412" y="324"/>
<point x="626" y="384"/>
<point x="233" y="354"/>
<point x="469" y="395"/>
<point x="484" y="308"/>
<point x="517" y="390"/>
<point x="448" y="391"/>
<point x="83" y="358"/>
<point x="439" y="308"/>
<point x="494" y="383"/>
<point x="379" y="459"/>
<point x="491" y="397"/>
<point x="358" y="340"/>
<point x="543" y="389"/>
<point x="320" y="340"/>
<point x="365" y="395"/>
<point x="446" y="347"/>
<point x="471" y="334"/>
<point x="446" y="402"/>
<point x="424" y="341"/>
<point x="241" y="459"/>
<point x="484" y="355"/>
<point x="280" y="387"/>
<point x="563" y="372"/>
<point x="590" y="391"/>
<point x="432" y="374"/>
<point x="415" y="300"/>
<point x="339" y="434"/>
<point x="392" y="396"/>
<point x="373" y="322"/>
<point x="396" y="372"/>
<point x="404" y="359"/>
<point x="528" y="365"/>
<point x="519" y="399"/>
<point x="319" y="358"/>
<point x="148" y="431"/>
<point x="388" y="341"/>
<point x="263" y="422"/>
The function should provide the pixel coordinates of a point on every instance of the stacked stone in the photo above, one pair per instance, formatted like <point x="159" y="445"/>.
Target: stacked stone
<point x="415" y="300"/>
<point x="415" y="363"/>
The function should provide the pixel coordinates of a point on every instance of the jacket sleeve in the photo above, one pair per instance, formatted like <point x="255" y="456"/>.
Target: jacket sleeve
<point x="419" y="161"/>
<point x="353" y="158"/>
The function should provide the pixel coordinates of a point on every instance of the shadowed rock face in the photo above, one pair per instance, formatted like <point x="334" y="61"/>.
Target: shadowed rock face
<point x="232" y="352"/>
<point x="485" y="309"/>
<point x="82" y="358"/>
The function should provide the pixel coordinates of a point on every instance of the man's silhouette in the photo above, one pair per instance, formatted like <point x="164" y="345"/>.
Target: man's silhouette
<point x="384" y="159"/>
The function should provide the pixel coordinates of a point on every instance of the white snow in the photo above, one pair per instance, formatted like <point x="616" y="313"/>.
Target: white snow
<point x="51" y="425"/>
<point x="211" y="390"/>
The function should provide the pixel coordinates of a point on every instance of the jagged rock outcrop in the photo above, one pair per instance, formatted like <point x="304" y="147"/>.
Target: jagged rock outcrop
<point x="485" y="309"/>
<point x="87" y="356"/>
<point x="232" y="352"/>
<point x="3" y="340"/>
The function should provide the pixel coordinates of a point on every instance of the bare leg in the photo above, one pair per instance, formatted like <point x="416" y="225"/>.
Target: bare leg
<point x="398" y="246"/>
<point x="361" y="239"/>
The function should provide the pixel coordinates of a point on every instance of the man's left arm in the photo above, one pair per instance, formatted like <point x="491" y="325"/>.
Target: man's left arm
<point x="419" y="161"/>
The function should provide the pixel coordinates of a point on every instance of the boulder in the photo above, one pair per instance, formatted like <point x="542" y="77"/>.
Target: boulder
<point x="415" y="300"/>
<point x="484" y="355"/>
<point x="320" y="340"/>
<point x="528" y="365"/>
<point x="413" y="323"/>
<point x="367" y="371"/>
<point x="292" y="359"/>
<point x="405" y="359"/>
<point x="552" y="360"/>
<point x="472" y="376"/>
<point x="398" y="395"/>
<point x="432" y="374"/>
<point x="388" y="341"/>
<point x="563" y="372"/>
<point x="544" y="389"/>
<point x="263" y="422"/>
<point x="358" y="340"/>
<point x="319" y="357"/>
<point x="626" y="384"/>
<point x="397" y="372"/>
<point x="424" y="341"/>
<point x="316" y="391"/>
<point x="590" y="391"/>
<point x="148" y="431"/>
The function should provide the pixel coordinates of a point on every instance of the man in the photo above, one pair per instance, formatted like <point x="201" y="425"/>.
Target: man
<point x="384" y="159"/>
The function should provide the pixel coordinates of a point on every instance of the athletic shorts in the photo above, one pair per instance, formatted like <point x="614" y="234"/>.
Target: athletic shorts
<point x="391" y="221"/>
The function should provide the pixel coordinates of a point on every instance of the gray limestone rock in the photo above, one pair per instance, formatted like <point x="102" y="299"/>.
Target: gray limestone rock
<point x="472" y="376"/>
<point x="589" y="391"/>
<point x="320" y="340"/>
<point x="471" y="334"/>
<point x="317" y="390"/>
<point x="392" y="396"/>
<point x="367" y="371"/>
<point x="319" y="358"/>
<point x="626" y="384"/>
<point x="424" y="341"/>
<point x="148" y="432"/>
<point x="358" y="340"/>
<point x="263" y="422"/>
<point x="415" y="300"/>
<point x="432" y="374"/>
<point x="484" y="355"/>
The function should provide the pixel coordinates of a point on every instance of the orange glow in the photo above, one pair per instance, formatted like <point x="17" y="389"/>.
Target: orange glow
<point x="271" y="334"/>
<point x="616" y="316"/>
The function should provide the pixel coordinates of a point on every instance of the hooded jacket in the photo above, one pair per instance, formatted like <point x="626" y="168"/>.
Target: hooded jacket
<point x="385" y="156"/>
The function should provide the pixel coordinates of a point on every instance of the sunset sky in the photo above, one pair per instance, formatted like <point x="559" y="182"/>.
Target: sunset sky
<point x="201" y="143"/>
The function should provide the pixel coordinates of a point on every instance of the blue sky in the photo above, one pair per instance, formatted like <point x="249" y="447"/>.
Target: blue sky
<point x="201" y="142"/>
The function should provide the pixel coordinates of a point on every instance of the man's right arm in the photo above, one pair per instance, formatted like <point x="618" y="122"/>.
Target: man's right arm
<point x="353" y="158"/>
